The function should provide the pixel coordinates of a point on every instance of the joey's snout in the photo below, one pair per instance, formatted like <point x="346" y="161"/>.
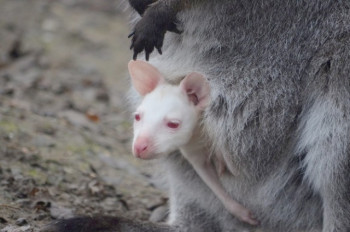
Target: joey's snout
<point x="142" y="148"/>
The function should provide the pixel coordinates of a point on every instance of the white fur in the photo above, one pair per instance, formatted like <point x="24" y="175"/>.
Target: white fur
<point x="165" y="103"/>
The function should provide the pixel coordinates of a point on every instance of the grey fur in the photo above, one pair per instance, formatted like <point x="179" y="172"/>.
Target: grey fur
<point x="279" y="72"/>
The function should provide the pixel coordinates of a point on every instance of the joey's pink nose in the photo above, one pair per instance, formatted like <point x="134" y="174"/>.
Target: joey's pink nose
<point x="141" y="146"/>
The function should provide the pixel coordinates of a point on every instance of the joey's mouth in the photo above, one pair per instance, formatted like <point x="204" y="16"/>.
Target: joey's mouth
<point x="149" y="156"/>
<point x="148" y="149"/>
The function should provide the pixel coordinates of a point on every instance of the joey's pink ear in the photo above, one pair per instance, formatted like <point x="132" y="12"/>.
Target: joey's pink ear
<point x="144" y="76"/>
<point x="197" y="89"/>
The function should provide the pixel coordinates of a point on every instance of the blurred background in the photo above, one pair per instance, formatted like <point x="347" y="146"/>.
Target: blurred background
<point x="65" y="128"/>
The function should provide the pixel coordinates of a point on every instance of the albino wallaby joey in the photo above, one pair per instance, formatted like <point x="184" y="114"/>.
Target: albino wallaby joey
<point x="168" y="119"/>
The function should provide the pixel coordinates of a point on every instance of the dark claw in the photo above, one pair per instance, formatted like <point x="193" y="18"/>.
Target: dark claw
<point x="131" y="34"/>
<point x="173" y="28"/>
<point x="148" y="51"/>
<point x="159" y="45"/>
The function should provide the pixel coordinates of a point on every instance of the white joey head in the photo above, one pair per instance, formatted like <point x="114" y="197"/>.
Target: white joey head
<point x="166" y="118"/>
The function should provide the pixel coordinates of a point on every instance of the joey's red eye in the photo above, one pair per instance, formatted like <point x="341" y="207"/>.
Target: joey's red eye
<point x="173" y="125"/>
<point x="137" y="117"/>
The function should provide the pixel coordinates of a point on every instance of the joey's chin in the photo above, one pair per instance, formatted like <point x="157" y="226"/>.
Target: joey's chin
<point x="148" y="156"/>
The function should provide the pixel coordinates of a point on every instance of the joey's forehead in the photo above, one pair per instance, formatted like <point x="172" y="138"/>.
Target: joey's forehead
<point x="170" y="105"/>
<point x="162" y="99"/>
<point x="166" y="92"/>
<point x="164" y="106"/>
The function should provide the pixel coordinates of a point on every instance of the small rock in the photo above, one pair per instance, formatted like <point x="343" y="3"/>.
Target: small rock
<point x="102" y="95"/>
<point x="20" y="104"/>
<point x="3" y="220"/>
<point x="124" y="204"/>
<point x="49" y="25"/>
<point x="41" y="140"/>
<point x="42" y="206"/>
<point x="10" y="228"/>
<point x="16" y="50"/>
<point x="43" y="61"/>
<point x="24" y="202"/>
<point x="95" y="188"/>
<point x="59" y="212"/>
<point x="46" y="129"/>
<point x="21" y="222"/>
<point x="77" y="119"/>
<point x="40" y="217"/>
<point x="6" y="76"/>
<point x="9" y="91"/>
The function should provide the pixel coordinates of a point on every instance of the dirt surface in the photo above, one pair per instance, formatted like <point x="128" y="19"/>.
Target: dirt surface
<point x="65" y="129"/>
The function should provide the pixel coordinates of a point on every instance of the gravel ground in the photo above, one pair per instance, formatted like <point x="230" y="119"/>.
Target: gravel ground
<point x="65" y="129"/>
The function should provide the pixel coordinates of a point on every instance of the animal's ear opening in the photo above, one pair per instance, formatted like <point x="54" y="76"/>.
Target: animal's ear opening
<point x="197" y="89"/>
<point x="145" y="77"/>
